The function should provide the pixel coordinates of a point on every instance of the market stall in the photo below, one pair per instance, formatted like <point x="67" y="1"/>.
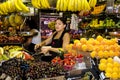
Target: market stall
<point x="94" y="50"/>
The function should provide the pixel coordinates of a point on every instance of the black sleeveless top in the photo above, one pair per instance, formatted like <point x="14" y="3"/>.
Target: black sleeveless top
<point x="56" y="43"/>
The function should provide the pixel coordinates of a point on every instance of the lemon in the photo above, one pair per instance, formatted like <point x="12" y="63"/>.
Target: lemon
<point x="76" y="41"/>
<point x="116" y="64"/>
<point x="110" y="60"/>
<point x="103" y="61"/>
<point x="109" y="65"/>
<point x="115" y="69"/>
<point x="107" y="74"/>
<point x="102" y="66"/>
<point x="115" y="75"/>
<point x="108" y="70"/>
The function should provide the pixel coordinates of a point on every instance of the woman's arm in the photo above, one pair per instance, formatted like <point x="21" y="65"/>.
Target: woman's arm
<point x="66" y="41"/>
<point x="45" y="42"/>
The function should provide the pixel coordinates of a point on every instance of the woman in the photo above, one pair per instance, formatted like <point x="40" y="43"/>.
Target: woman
<point x="59" y="39"/>
<point x="31" y="41"/>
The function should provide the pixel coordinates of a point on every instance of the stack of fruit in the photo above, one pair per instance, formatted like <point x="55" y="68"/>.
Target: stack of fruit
<point x="110" y="67"/>
<point x="107" y="23"/>
<point x="69" y="60"/>
<point x="99" y="47"/>
<point x="43" y="70"/>
<point x="8" y="52"/>
<point x="11" y="39"/>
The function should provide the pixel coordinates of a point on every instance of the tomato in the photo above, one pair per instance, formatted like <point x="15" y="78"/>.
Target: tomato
<point x="27" y="56"/>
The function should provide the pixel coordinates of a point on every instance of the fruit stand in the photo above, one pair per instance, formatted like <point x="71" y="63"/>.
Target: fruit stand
<point x="94" y="51"/>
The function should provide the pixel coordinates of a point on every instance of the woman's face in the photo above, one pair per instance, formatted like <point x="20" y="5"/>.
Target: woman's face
<point x="59" y="26"/>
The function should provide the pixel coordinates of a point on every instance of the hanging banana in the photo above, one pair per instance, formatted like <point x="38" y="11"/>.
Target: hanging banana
<point x="18" y="8"/>
<point x="24" y="8"/>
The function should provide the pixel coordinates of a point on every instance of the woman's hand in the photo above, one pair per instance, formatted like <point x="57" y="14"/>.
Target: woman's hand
<point x="37" y="46"/>
<point x="45" y="49"/>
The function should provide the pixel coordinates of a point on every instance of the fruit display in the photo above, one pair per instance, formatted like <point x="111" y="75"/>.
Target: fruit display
<point x="9" y="52"/>
<point x="99" y="47"/>
<point x="72" y="5"/>
<point x="106" y="23"/>
<point x="110" y="67"/>
<point x="38" y="70"/>
<point x="13" y="68"/>
<point x="40" y="4"/>
<point x="69" y="60"/>
<point x="11" y="39"/>
<point x="13" y="6"/>
<point x="15" y="19"/>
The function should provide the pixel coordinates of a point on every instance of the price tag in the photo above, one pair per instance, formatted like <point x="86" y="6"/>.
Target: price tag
<point x="102" y="76"/>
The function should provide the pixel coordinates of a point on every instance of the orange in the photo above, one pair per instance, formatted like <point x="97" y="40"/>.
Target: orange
<point x="100" y="54"/>
<point x="106" y="54"/>
<point x="111" y="53"/>
<point x="84" y="47"/>
<point x="99" y="38"/>
<point x="83" y="40"/>
<point x="93" y="54"/>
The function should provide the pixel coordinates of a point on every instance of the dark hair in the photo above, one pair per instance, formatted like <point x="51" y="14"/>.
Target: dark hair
<point x="63" y="19"/>
<point x="31" y="23"/>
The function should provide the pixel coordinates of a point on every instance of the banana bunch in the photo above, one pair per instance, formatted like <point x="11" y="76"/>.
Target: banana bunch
<point x="12" y="20"/>
<point x="10" y="6"/>
<point x="20" y="6"/>
<point x="72" y="5"/>
<point x="40" y="4"/>
<point x="92" y="3"/>
<point x="51" y="25"/>
<point x="18" y="19"/>
<point x="62" y="5"/>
